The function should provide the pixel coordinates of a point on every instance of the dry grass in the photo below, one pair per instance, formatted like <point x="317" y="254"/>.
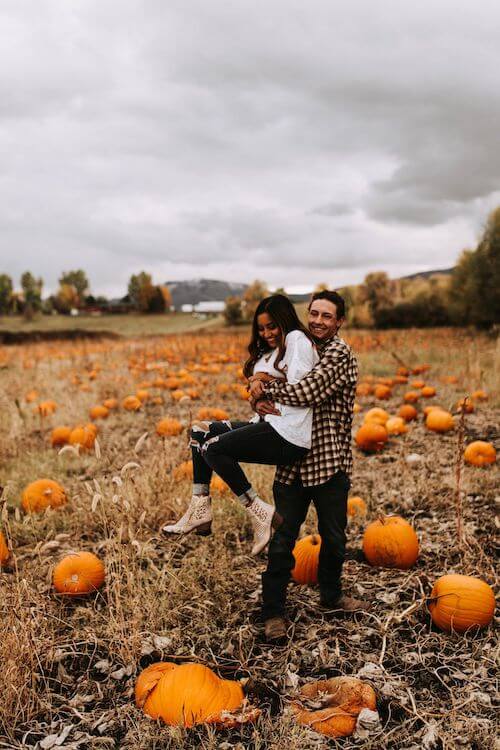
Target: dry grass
<point x="70" y="666"/>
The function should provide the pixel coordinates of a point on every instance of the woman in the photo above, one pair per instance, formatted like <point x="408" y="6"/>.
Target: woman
<point x="280" y="347"/>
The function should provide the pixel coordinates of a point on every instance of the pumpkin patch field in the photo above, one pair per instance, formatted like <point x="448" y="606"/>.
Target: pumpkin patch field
<point x="113" y="636"/>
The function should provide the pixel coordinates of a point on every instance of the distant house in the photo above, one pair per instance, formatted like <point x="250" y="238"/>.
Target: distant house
<point x="204" y="307"/>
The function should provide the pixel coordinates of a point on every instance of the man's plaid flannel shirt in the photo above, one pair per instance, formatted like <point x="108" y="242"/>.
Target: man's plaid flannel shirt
<point x="330" y="388"/>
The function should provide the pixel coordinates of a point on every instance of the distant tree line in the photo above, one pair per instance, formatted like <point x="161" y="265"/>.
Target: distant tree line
<point x="74" y="294"/>
<point x="468" y="296"/>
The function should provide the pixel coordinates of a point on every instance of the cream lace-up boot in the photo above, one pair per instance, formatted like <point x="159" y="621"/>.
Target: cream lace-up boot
<point x="197" y="518"/>
<point x="264" y="520"/>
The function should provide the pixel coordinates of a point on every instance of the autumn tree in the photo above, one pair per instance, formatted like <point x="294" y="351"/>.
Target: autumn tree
<point x="77" y="279"/>
<point x="6" y="289"/>
<point x="474" y="297"/>
<point x="253" y="294"/>
<point x="378" y="292"/>
<point x="233" y="311"/>
<point x="66" y="299"/>
<point x="32" y="293"/>
<point x="141" y="291"/>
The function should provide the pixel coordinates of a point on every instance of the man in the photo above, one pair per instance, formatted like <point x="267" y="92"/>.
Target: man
<point x="323" y="475"/>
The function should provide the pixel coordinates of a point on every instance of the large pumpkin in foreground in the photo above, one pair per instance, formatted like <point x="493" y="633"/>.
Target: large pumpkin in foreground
<point x="188" y="694"/>
<point x="42" y="494"/>
<point x="341" y="700"/>
<point x="460" y="602"/>
<point x="306" y="554"/>
<point x="371" y="437"/>
<point x="78" y="573"/>
<point x="390" y="542"/>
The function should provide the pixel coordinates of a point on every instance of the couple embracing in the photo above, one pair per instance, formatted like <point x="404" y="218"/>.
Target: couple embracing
<point x="302" y="387"/>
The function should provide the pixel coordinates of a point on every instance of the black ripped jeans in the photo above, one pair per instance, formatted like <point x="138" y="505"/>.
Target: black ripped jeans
<point x="292" y="503"/>
<point x="223" y="444"/>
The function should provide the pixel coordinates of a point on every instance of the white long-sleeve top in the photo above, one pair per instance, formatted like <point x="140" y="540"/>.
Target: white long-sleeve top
<point x="294" y="422"/>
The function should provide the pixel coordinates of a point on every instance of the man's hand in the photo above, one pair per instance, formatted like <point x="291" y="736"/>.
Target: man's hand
<point x="263" y="406"/>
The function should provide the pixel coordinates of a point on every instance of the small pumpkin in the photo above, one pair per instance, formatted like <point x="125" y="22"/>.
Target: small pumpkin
<point x="78" y="573"/>
<point x="464" y="405"/>
<point x="382" y="392"/>
<point x="84" y="436"/>
<point x="411" y="396"/>
<point x="480" y="453"/>
<point x="356" y="507"/>
<point x="45" y="408"/>
<point x="42" y="494"/>
<point x="4" y="550"/>
<point x="60" y="436"/>
<point x="417" y="384"/>
<point x="168" y="427"/>
<point x="183" y="471"/>
<point x="459" y="602"/>
<point x="428" y="391"/>
<point x="439" y="420"/>
<point x="479" y="395"/>
<point x="110" y="403"/>
<point x="143" y="395"/>
<point x="371" y="437"/>
<point x="377" y="415"/>
<point x="189" y="694"/>
<point x="396" y="426"/>
<point x="306" y="554"/>
<point x="364" y="389"/>
<point x="207" y="413"/>
<point x="407" y="412"/>
<point x="219" y="486"/>
<point x="99" y="412"/>
<point x="131" y="403"/>
<point x="341" y="700"/>
<point x="391" y="542"/>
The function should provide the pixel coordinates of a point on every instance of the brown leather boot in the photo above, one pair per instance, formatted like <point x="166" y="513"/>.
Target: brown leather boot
<point x="345" y="604"/>
<point x="276" y="630"/>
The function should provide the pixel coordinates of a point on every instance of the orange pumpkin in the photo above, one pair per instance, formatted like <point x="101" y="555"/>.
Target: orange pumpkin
<point x="356" y="507"/>
<point x="408" y="412"/>
<point x="187" y="695"/>
<point x="207" y="413"/>
<point x="168" y="427"/>
<point x="98" y="412"/>
<point x="183" y="471"/>
<point x="45" y="408"/>
<point x="479" y="395"/>
<point x="341" y="698"/>
<point x="465" y="404"/>
<point x="460" y="602"/>
<point x="417" y="384"/>
<point x="411" y="397"/>
<point x="84" y="436"/>
<point x="371" y="437"/>
<point x="364" y="389"/>
<point x="439" y="420"/>
<point x="390" y="542"/>
<point x="60" y="436"/>
<point x="143" y="395"/>
<point x="42" y="494"/>
<point x="177" y="395"/>
<point x="78" y="573"/>
<point x="480" y="453"/>
<point x="382" y="392"/>
<point x="131" y="403"/>
<point x="306" y="554"/>
<point x="396" y="426"/>
<point x="110" y="403"/>
<point x="378" y="415"/>
<point x="4" y="550"/>
<point x="428" y="391"/>
<point x="218" y="486"/>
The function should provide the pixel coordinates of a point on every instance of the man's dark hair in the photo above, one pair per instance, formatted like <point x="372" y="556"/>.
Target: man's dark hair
<point x="333" y="297"/>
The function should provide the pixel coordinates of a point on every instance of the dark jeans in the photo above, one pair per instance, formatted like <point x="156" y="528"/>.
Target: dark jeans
<point x="225" y="443"/>
<point x="292" y="502"/>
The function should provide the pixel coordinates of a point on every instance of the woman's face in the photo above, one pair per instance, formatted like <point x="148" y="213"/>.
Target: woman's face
<point x="268" y="330"/>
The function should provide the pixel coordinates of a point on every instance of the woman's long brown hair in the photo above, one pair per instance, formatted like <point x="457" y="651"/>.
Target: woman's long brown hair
<point x="283" y="313"/>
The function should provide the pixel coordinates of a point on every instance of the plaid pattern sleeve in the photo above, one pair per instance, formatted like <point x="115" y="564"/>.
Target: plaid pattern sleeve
<point x="330" y="388"/>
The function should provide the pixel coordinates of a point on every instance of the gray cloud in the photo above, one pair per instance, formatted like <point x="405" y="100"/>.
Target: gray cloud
<point x="284" y="140"/>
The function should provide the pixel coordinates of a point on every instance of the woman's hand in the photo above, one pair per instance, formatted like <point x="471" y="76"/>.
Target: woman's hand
<point x="256" y="389"/>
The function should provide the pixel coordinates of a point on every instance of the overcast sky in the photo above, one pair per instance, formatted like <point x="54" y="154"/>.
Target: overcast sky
<point x="297" y="142"/>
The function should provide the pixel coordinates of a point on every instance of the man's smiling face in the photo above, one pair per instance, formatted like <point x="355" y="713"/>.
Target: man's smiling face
<point x="323" y="321"/>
